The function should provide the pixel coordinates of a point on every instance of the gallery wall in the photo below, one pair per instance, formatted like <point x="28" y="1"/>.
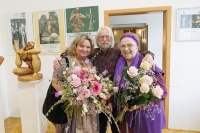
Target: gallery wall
<point x="184" y="76"/>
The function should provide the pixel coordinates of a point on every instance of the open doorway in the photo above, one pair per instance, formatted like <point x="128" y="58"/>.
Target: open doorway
<point x="141" y="31"/>
<point x="166" y="38"/>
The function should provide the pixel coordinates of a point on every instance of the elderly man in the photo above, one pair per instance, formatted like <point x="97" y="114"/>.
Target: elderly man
<point x="106" y="57"/>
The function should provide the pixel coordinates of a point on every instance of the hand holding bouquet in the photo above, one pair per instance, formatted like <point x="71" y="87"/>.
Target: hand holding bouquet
<point x="141" y="89"/>
<point x="84" y="90"/>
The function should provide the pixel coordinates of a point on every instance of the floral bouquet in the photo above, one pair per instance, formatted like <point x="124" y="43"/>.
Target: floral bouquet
<point x="84" y="90"/>
<point x="141" y="89"/>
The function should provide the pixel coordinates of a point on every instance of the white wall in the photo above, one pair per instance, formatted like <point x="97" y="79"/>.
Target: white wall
<point x="155" y="30"/>
<point x="184" y="108"/>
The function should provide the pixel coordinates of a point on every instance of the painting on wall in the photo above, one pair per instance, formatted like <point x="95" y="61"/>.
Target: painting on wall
<point x="81" y="20"/>
<point x="19" y="26"/>
<point x="188" y="24"/>
<point x="49" y="31"/>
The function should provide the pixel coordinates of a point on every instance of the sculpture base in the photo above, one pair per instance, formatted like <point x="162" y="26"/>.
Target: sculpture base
<point x="30" y="77"/>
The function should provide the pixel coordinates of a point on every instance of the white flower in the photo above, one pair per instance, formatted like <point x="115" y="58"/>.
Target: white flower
<point x="95" y="101"/>
<point x="107" y="79"/>
<point x="85" y="108"/>
<point x="102" y="95"/>
<point x="144" y="88"/>
<point x="146" y="79"/>
<point x="110" y="85"/>
<point x="132" y="71"/>
<point x="73" y="76"/>
<point x="105" y="90"/>
<point x="157" y="91"/>
<point x="64" y="72"/>
<point x="69" y="79"/>
<point x="85" y="87"/>
<point x="74" y="90"/>
<point x="97" y="77"/>
<point x="67" y="68"/>
<point x="145" y="65"/>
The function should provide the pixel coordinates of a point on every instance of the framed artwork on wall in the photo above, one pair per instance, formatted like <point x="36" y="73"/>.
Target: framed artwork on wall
<point x="19" y="26"/>
<point x="81" y="20"/>
<point x="49" y="31"/>
<point x="188" y="24"/>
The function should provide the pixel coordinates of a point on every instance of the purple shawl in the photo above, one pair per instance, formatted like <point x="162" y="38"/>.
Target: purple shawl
<point x="118" y="80"/>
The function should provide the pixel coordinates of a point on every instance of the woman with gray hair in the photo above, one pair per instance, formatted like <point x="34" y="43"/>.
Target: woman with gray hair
<point x="137" y="121"/>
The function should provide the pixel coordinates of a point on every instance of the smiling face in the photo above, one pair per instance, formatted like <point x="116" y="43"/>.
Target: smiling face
<point x="128" y="48"/>
<point x="104" y="39"/>
<point x="83" y="50"/>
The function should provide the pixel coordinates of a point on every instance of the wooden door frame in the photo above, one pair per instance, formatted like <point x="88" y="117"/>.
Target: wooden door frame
<point x="166" y="38"/>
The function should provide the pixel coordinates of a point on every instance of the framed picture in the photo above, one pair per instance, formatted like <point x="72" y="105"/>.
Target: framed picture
<point x="49" y="31"/>
<point x="188" y="24"/>
<point x="19" y="26"/>
<point x="81" y="20"/>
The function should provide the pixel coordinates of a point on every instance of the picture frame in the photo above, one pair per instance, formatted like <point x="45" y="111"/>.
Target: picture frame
<point x="19" y="26"/>
<point x="49" y="31"/>
<point x="188" y="24"/>
<point x="87" y="22"/>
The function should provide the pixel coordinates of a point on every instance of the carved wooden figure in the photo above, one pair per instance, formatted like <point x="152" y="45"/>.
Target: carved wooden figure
<point x="27" y="54"/>
<point x="1" y="59"/>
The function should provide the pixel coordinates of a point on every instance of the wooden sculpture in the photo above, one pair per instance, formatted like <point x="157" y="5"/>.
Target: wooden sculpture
<point x="1" y="59"/>
<point x="27" y="54"/>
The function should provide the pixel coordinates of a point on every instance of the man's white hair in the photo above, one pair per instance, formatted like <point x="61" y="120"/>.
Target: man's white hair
<point x="110" y="35"/>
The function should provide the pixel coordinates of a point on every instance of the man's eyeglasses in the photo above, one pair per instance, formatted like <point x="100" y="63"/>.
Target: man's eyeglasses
<point x="102" y="37"/>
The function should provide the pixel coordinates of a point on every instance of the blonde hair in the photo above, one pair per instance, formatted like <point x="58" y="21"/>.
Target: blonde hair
<point x="71" y="51"/>
<point x="110" y="34"/>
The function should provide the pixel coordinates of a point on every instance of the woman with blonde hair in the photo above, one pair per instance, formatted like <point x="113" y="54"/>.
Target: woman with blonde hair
<point x="80" y="49"/>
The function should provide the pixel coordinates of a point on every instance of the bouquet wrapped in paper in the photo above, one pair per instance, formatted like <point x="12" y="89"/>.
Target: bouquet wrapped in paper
<point x="141" y="89"/>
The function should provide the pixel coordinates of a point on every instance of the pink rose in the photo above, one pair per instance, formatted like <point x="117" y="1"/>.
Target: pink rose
<point x="86" y="93"/>
<point x="96" y="88"/>
<point x="78" y="89"/>
<point x="77" y="69"/>
<point x="157" y="91"/>
<point x="145" y="65"/>
<point x="82" y="75"/>
<point x="85" y="69"/>
<point x="91" y="77"/>
<point x="132" y="71"/>
<point x="146" y="79"/>
<point x="85" y="80"/>
<point x="93" y="70"/>
<point x="80" y="96"/>
<point x="76" y="82"/>
<point x="144" y="88"/>
<point x="115" y="89"/>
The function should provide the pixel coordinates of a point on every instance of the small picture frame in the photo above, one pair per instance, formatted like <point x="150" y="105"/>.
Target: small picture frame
<point x="49" y="31"/>
<point x="188" y="24"/>
<point x="19" y="26"/>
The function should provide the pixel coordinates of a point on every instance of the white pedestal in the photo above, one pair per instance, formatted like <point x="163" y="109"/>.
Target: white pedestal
<point x="2" y="129"/>
<point x="31" y="101"/>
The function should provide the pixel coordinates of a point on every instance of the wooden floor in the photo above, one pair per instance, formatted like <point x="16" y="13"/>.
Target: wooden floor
<point x="13" y="125"/>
